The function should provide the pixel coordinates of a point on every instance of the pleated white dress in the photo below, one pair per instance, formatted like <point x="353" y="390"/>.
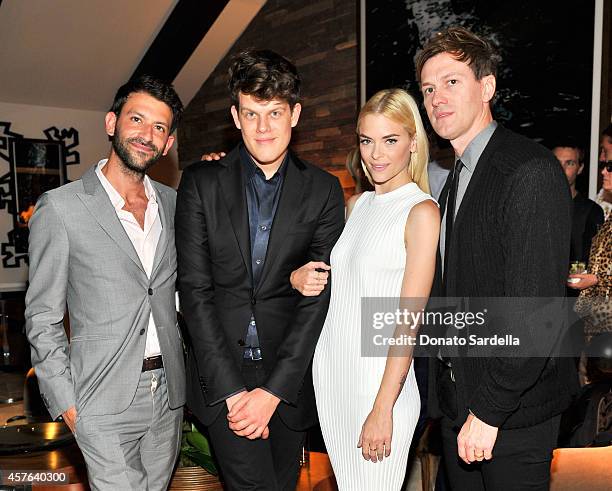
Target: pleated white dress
<point x="367" y="261"/>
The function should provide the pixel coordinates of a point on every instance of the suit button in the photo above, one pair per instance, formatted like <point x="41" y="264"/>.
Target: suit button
<point x="241" y="342"/>
<point x="150" y="291"/>
<point x="142" y="331"/>
<point x="253" y="301"/>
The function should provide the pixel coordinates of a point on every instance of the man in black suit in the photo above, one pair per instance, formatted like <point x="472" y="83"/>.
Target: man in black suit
<point x="243" y="224"/>
<point x="505" y="233"/>
<point x="588" y="215"/>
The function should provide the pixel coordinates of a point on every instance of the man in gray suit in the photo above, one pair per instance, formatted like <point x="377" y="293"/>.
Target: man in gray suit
<point x="104" y="246"/>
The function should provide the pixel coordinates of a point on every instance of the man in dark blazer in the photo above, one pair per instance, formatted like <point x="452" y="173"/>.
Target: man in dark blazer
<point x="588" y="216"/>
<point x="243" y="224"/>
<point x="505" y="233"/>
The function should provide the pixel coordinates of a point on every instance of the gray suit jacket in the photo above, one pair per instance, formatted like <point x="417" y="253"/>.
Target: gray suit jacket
<point x="81" y="256"/>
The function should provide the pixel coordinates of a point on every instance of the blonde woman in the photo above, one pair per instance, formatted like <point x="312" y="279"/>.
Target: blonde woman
<point x="369" y="405"/>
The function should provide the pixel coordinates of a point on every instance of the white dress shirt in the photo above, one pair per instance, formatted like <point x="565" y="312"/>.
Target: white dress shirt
<point x="144" y="241"/>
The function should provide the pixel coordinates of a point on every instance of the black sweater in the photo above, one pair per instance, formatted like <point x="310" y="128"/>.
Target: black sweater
<point x="511" y="239"/>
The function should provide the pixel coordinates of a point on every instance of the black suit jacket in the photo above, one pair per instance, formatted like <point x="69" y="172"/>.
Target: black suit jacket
<point x="217" y="298"/>
<point x="511" y="238"/>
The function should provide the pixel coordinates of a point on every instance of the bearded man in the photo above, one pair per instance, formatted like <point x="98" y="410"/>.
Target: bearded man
<point x="104" y="247"/>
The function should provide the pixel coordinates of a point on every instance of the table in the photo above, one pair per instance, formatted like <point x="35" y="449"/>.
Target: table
<point x="66" y="459"/>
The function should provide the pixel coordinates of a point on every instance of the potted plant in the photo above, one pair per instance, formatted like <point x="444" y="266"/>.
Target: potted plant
<point x="196" y="469"/>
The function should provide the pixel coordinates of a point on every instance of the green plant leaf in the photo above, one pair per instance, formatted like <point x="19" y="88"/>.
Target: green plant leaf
<point x="204" y="461"/>
<point x="199" y="441"/>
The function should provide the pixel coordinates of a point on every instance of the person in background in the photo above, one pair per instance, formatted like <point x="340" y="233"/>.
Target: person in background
<point x="354" y="167"/>
<point x="588" y="422"/>
<point x="243" y="223"/>
<point x="437" y="178"/>
<point x="595" y="285"/>
<point x="587" y="215"/>
<point x="104" y="247"/>
<point x="604" y="197"/>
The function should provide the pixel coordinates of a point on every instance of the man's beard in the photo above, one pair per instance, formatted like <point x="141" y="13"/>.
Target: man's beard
<point x="126" y="155"/>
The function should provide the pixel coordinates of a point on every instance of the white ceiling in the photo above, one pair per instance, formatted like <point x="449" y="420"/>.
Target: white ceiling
<point x="71" y="53"/>
<point x="221" y="36"/>
<point x="76" y="53"/>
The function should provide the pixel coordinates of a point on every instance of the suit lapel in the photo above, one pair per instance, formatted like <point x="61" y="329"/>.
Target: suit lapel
<point x="437" y="289"/>
<point x="232" y="184"/>
<point x="470" y="192"/>
<point x="481" y="168"/>
<point x="290" y="200"/>
<point x="99" y="205"/>
<point x="163" y="210"/>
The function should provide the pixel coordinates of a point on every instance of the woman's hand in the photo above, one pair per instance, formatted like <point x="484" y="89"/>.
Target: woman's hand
<point x="376" y="433"/>
<point x="586" y="281"/>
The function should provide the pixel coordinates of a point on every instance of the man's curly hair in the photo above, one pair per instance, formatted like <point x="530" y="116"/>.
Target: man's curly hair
<point x="265" y="75"/>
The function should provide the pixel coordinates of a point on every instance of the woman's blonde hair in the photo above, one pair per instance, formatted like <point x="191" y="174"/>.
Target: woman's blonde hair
<point x="399" y="106"/>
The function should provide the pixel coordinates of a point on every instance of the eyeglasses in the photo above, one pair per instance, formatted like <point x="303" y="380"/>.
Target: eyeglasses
<point x="606" y="165"/>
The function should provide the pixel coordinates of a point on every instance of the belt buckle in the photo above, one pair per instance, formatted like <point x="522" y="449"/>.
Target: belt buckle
<point x="256" y="354"/>
<point x="152" y="363"/>
<point x="252" y="354"/>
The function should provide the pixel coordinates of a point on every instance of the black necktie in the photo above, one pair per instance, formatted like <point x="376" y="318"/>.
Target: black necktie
<point x="450" y="214"/>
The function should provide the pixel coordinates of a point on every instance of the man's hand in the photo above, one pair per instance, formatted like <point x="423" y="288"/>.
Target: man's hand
<point x="586" y="281"/>
<point x="209" y="157"/>
<point x="70" y="416"/>
<point x="308" y="281"/>
<point x="251" y="414"/>
<point x="476" y="440"/>
<point x="230" y="401"/>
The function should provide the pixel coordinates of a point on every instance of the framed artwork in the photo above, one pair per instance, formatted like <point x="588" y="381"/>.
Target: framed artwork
<point x="36" y="166"/>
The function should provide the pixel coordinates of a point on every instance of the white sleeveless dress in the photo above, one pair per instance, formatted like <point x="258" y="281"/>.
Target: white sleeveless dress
<point x="367" y="261"/>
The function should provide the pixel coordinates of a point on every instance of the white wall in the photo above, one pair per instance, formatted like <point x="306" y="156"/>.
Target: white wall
<point x="30" y="121"/>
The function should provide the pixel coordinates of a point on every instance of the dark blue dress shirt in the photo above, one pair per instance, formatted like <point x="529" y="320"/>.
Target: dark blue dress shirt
<point x="262" y="200"/>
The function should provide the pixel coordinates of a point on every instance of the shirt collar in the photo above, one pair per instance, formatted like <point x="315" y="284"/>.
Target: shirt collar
<point x="252" y="169"/>
<point x="600" y="195"/>
<point x="117" y="201"/>
<point x="474" y="150"/>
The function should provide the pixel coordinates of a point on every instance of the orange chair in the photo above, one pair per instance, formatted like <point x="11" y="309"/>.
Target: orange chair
<point x="581" y="469"/>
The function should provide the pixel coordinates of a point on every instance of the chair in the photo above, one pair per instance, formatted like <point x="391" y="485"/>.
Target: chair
<point x="578" y="469"/>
